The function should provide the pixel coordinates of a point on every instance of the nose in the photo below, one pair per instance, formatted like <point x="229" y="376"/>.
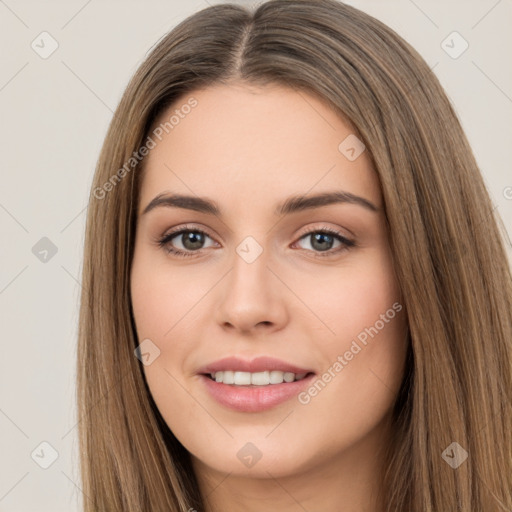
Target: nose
<point x="251" y="298"/>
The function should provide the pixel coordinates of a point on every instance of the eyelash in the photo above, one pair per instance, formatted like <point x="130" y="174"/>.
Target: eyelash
<point x="164" y="241"/>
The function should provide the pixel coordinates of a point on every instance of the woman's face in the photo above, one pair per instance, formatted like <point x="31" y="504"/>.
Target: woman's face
<point x="262" y="279"/>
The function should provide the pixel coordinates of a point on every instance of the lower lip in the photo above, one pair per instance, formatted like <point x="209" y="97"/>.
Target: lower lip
<point x="254" y="398"/>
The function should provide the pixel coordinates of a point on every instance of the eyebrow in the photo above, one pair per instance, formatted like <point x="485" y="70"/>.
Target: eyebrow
<point x="291" y="205"/>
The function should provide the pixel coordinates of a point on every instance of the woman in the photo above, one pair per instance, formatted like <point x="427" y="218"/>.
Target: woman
<point x="296" y="295"/>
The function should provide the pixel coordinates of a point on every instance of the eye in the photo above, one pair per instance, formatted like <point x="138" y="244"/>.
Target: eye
<point x="192" y="240"/>
<point x="323" y="239"/>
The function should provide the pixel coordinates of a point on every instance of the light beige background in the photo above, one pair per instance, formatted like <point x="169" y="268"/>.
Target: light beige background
<point x="54" y="114"/>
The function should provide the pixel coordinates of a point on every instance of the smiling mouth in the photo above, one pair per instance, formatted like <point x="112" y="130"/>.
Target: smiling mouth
<point x="256" y="379"/>
<point x="252" y="392"/>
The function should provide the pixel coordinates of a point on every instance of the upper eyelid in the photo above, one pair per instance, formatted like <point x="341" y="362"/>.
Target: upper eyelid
<point x="180" y="230"/>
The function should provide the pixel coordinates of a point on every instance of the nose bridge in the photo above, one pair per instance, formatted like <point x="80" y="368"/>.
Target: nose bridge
<point x="250" y="266"/>
<point x="249" y="296"/>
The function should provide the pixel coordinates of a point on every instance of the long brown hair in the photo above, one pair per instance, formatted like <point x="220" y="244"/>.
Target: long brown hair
<point x="443" y="229"/>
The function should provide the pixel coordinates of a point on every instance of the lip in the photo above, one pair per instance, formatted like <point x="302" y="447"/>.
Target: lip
<point x="259" y="364"/>
<point x="254" y="398"/>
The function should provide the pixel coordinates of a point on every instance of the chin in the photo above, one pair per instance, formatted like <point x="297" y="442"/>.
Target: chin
<point x="256" y="457"/>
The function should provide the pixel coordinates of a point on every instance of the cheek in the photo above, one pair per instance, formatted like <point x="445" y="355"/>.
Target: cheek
<point x="162" y="301"/>
<point x="364" y="353"/>
<point x="168" y="306"/>
<point x="162" y="297"/>
<point x="352" y="298"/>
<point x="362" y="375"/>
<point x="370" y="377"/>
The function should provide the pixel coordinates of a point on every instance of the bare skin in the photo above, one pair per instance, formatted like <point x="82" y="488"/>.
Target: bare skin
<point x="248" y="149"/>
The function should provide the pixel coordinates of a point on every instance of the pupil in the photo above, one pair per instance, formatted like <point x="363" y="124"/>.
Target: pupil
<point x="320" y="237"/>
<point x="196" y="239"/>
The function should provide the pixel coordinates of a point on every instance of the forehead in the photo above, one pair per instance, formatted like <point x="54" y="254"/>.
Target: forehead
<point x="262" y="143"/>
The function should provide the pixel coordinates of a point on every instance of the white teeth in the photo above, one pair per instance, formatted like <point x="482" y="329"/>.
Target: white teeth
<point x="256" y="379"/>
<point x="242" y="378"/>
<point x="260" y="378"/>
<point x="276" y="377"/>
<point x="289" y="377"/>
<point x="228" y="377"/>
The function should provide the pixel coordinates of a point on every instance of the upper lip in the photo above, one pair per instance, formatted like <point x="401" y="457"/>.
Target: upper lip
<point x="259" y="364"/>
